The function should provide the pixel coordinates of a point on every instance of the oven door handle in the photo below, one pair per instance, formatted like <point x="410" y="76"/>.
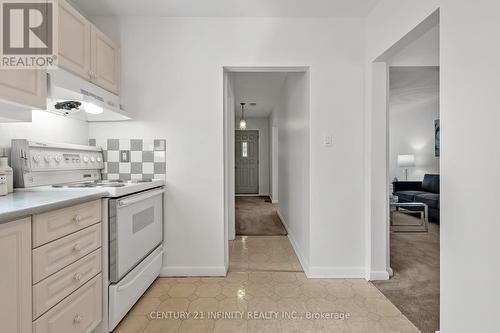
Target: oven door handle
<point x="140" y="197"/>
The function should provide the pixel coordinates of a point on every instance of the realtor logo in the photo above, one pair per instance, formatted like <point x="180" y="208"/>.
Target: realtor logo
<point x="28" y="31"/>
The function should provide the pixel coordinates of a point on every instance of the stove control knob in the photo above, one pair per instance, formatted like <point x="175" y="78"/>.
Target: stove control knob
<point x="92" y="159"/>
<point x="37" y="158"/>
<point x="58" y="158"/>
<point x="99" y="159"/>
<point x="47" y="158"/>
<point x="86" y="159"/>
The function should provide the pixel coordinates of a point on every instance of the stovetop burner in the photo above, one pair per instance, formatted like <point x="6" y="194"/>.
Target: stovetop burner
<point x="97" y="183"/>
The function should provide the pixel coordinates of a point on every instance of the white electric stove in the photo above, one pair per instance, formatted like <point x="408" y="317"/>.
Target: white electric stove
<point x="132" y="228"/>
<point x="115" y="188"/>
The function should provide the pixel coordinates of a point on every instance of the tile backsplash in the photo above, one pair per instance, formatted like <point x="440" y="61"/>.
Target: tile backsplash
<point x="133" y="158"/>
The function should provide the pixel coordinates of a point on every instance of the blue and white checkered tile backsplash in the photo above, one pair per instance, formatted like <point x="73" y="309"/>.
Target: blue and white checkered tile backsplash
<point x="133" y="158"/>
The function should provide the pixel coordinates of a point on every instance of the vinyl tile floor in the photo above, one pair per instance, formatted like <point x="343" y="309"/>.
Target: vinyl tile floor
<point x="264" y="291"/>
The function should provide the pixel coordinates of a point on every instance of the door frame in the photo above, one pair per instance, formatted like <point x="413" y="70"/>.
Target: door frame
<point x="377" y="155"/>
<point x="228" y="142"/>
<point x="258" y="163"/>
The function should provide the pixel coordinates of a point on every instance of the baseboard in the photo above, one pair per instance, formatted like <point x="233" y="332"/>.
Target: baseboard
<point x="274" y="201"/>
<point x="252" y="195"/>
<point x="303" y="261"/>
<point x="336" y="272"/>
<point x="378" y="275"/>
<point x="193" y="271"/>
<point x="317" y="271"/>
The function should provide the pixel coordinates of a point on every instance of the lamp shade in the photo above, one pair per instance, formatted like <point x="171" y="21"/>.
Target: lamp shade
<point x="406" y="161"/>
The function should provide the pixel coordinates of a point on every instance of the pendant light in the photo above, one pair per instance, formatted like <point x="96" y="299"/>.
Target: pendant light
<point x="243" y="121"/>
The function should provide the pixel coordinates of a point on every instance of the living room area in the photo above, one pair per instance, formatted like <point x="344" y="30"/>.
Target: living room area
<point x="413" y="178"/>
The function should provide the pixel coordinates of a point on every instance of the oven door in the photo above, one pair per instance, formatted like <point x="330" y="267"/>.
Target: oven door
<point x="136" y="229"/>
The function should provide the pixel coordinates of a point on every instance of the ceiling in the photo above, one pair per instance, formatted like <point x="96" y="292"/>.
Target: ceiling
<point x="228" y="8"/>
<point x="261" y="88"/>
<point x="413" y="85"/>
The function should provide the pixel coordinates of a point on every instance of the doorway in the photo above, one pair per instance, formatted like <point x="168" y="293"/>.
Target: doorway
<point x="404" y="175"/>
<point x="246" y="161"/>
<point x="255" y="173"/>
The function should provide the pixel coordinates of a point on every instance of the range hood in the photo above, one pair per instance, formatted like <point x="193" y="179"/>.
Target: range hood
<point x="72" y="96"/>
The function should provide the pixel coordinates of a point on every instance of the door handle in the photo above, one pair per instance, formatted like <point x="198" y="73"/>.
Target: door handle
<point x="140" y="197"/>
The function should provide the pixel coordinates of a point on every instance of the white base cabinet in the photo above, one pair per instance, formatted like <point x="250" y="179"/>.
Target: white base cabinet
<point x="15" y="289"/>
<point x="52" y="273"/>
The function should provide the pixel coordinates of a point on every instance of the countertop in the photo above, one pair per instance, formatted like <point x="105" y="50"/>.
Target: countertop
<point x="24" y="203"/>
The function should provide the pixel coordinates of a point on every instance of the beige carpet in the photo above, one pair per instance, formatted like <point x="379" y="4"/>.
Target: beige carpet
<point x="414" y="288"/>
<point x="256" y="216"/>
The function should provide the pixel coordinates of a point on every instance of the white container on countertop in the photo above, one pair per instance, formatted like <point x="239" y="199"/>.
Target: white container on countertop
<point x="3" y="184"/>
<point x="7" y="170"/>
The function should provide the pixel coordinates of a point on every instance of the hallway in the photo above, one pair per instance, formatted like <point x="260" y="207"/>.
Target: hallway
<point x="257" y="216"/>
<point x="262" y="253"/>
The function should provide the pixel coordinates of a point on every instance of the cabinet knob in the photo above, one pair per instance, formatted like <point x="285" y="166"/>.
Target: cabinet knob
<point x="77" y="277"/>
<point x="77" y="219"/>
<point x="77" y="248"/>
<point x="78" y="319"/>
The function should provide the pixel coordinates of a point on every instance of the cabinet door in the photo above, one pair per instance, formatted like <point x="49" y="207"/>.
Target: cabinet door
<point x="74" y="41"/>
<point x="105" y="61"/>
<point x="24" y="86"/>
<point x="15" y="289"/>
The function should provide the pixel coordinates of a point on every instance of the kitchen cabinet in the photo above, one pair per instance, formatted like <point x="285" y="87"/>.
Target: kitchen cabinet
<point x="52" y="273"/>
<point x="15" y="260"/>
<point x="74" y="41"/>
<point x="24" y="86"/>
<point x="86" y="51"/>
<point x="105" y="61"/>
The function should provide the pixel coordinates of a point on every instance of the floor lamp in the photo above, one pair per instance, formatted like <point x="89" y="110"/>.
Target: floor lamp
<point x="406" y="161"/>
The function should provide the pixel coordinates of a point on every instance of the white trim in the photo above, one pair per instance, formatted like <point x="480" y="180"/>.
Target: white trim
<point x="378" y="275"/>
<point x="317" y="271"/>
<point x="303" y="261"/>
<point x="337" y="272"/>
<point x="193" y="271"/>
<point x="266" y="69"/>
<point x="252" y="195"/>
<point x="274" y="201"/>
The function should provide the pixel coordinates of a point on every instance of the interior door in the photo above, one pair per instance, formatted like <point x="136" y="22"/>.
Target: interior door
<point x="247" y="162"/>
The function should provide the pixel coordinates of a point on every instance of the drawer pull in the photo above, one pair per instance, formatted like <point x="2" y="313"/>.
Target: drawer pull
<point x="77" y="319"/>
<point x="77" y="219"/>
<point x="77" y="277"/>
<point x="77" y="248"/>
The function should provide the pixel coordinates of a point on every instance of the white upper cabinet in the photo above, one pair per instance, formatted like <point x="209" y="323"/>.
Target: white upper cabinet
<point x="74" y="41"/>
<point x="105" y="61"/>
<point x="24" y="87"/>
<point x="86" y="51"/>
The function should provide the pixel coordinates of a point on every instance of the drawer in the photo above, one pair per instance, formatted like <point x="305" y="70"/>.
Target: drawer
<point x="78" y="313"/>
<point x="59" y="223"/>
<point x="56" y="287"/>
<point x="50" y="258"/>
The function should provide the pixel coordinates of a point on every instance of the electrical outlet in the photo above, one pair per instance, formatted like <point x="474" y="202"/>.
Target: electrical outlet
<point x="125" y="156"/>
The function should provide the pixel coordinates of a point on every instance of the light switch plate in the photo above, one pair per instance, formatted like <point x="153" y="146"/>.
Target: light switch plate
<point x="328" y="140"/>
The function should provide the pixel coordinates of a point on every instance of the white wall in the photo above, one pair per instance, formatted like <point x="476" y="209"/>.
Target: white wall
<point x="172" y="81"/>
<point x="422" y="52"/>
<point x="45" y="126"/>
<point x="469" y="134"/>
<point x="261" y="125"/>
<point x="293" y="162"/>
<point x="413" y="107"/>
